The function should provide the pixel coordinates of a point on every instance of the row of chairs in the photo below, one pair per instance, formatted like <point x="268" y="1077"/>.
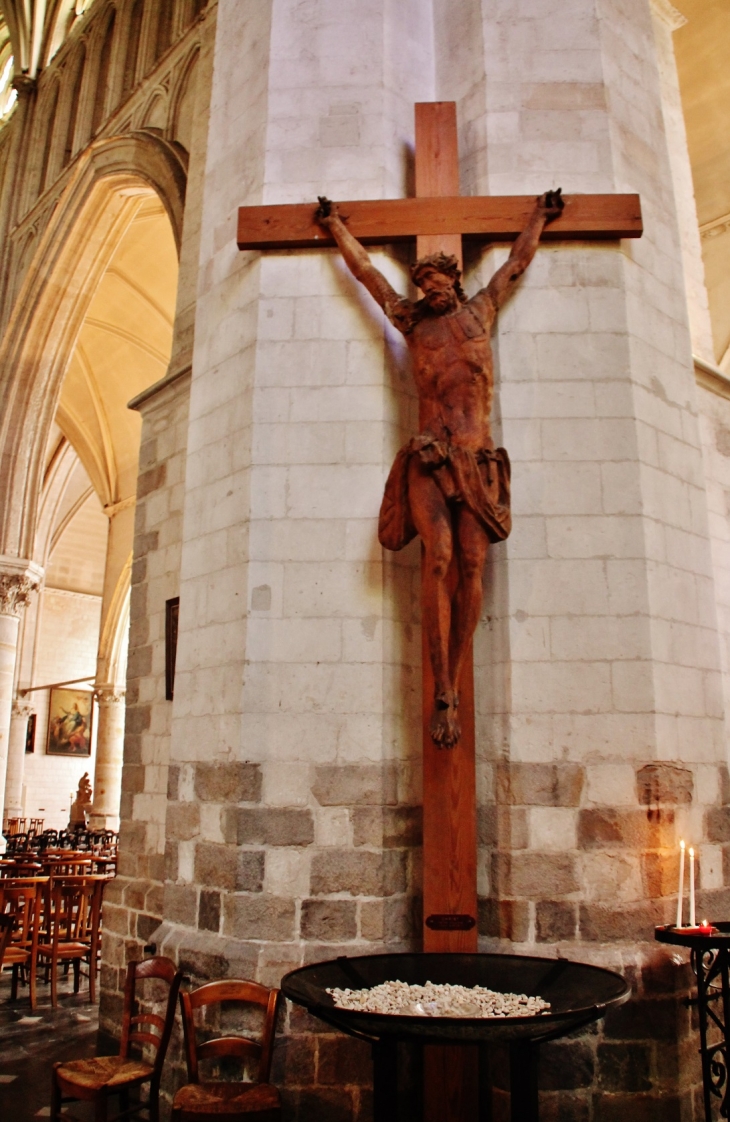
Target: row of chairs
<point x="16" y="826"/>
<point x="97" y="1080"/>
<point x="80" y="838"/>
<point x="57" y="862"/>
<point x="50" y="923"/>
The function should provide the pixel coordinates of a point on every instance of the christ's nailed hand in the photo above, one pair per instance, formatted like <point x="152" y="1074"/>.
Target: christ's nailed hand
<point x="326" y="211"/>
<point x="551" y="204"/>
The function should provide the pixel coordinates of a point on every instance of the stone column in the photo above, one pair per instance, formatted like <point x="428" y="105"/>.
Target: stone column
<point x="15" y="590"/>
<point x="20" y="124"/>
<point x="16" y="758"/>
<point x="109" y="755"/>
<point x="107" y="783"/>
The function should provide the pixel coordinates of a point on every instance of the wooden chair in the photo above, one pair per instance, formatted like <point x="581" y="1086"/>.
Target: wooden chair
<point x="72" y="933"/>
<point x="22" y="900"/>
<point x="96" y="1080"/>
<point x="225" y="1102"/>
<point x="16" y="868"/>
<point x="71" y="866"/>
<point x="7" y="923"/>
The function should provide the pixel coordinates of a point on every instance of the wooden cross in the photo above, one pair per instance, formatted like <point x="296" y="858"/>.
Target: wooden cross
<point x="438" y="218"/>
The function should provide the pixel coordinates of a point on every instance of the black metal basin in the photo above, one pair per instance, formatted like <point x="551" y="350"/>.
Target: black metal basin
<point x="578" y="994"/>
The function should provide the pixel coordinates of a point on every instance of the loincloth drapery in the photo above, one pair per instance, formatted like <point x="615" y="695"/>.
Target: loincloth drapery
<point x="480" y="480"/>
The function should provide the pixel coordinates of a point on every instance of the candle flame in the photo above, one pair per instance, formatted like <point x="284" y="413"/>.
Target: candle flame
<point x="691" y="851"/>
<point x="682" y="843"/>
<point x="705" y="923"/>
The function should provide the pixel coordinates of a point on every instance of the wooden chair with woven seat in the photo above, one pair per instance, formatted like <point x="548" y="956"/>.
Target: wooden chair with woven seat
<point x="22" y="900"/>
<point x="257" y="1101"/>
<point x="73" y="924"/>
<point x="98" y="1079"/>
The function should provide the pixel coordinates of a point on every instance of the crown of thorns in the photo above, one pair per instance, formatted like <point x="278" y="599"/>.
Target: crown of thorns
<point x="444" y="263"/>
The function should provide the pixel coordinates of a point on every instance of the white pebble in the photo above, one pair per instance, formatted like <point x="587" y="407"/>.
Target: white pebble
<point x="438" y="1000"/>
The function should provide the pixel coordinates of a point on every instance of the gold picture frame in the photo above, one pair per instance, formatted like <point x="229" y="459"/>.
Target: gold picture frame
<point x="70" y="721"/>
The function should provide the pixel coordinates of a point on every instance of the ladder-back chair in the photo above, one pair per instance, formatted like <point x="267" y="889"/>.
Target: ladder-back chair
<point x="98" y="1079"/>
<point x="73" y="927"/>
<point x="22" y="900"/>
<point x="255" y="1101"/>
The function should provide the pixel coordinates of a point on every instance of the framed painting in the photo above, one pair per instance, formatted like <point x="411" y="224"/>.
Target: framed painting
<point x="30" y="733"/>
<point x="70" y="716"/>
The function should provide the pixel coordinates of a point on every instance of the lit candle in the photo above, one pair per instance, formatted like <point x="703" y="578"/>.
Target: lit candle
<point x="692" y="918"/>
<point x="705" y="927"/>
<point x="680" y="894"/>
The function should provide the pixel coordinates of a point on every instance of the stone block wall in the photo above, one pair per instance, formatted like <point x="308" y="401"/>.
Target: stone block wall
<point x="133" y="903"/>
<point x="292" y="828"/>
<point x="333" y="873"/>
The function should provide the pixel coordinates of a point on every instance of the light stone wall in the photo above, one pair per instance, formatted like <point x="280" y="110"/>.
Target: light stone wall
<point x="295" y="731"/>
<point x="602" y="738"/>
<point x="67" y="638"/>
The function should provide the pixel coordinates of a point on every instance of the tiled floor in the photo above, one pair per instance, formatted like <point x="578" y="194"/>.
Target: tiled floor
<point x="31" y="1042"/>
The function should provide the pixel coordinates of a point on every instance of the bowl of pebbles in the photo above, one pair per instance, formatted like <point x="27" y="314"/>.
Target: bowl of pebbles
<point x="433" y="1000"/>
<point x="456" y="997"/>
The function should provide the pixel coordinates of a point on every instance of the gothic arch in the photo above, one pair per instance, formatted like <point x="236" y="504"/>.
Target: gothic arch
<point x="84" y="229"/>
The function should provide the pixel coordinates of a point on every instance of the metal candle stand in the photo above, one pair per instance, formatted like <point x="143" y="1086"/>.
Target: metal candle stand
<point x="710" y="959"/>
<point x="578" y="994"/>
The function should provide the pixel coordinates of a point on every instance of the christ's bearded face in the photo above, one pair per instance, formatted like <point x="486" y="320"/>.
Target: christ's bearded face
<point x="438" y="291"/>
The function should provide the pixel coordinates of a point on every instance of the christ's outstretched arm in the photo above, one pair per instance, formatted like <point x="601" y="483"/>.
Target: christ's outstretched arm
<point x="358" y="262"/>
<point x="500" y="287"/>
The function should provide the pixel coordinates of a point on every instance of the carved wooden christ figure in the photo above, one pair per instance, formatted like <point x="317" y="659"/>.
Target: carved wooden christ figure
<point x="448" y="484"/>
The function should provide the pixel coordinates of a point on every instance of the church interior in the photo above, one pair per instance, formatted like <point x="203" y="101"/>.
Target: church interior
<point x="215" y="681"/>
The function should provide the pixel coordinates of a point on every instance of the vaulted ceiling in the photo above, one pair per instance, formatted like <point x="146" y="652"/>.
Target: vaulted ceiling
<point x="37" y="28"/>
<point x="123" y="347"/>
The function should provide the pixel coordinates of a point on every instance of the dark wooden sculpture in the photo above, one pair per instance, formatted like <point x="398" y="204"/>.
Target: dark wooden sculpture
<point x="448" y="484"/>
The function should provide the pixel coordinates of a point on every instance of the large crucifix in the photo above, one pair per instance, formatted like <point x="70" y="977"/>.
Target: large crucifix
<point x="449" y="483"/>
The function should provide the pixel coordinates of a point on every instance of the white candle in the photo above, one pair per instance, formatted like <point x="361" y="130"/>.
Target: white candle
<point x="692" y="920"/>
<point x="680" y="894"/>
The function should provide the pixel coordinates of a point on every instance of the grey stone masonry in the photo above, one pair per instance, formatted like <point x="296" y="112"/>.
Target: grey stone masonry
<point x="134" y="902"/>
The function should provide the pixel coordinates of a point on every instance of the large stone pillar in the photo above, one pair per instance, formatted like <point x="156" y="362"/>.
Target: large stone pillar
<point x="109" y="757"/>
<point x="601" y="729"/>
<point x="296" y="717"/>
<point x="17" y="582"/>
<point x="16" y="758"/>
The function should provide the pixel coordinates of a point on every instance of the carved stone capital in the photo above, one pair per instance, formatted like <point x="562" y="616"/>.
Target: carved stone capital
<point x="21" y="709"/>
<point x="110" y="695"/>
<point x="15" y="592"/>
<point x="114" y="508"/>
<point x="24" y="84"/>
